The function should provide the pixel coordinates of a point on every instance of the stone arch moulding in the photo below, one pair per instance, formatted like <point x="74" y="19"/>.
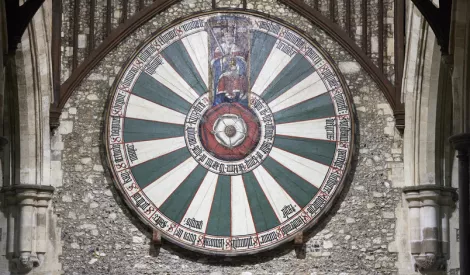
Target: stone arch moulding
<point x="62" y="92"/>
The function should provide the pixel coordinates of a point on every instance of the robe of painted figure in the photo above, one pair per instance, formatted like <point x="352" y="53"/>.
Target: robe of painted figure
<point x="229" y="74"/>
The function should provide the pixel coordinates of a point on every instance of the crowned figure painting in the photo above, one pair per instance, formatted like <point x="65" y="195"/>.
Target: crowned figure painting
<point x="228" y="47"/>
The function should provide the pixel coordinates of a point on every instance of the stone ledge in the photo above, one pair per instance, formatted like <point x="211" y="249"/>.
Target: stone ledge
<point x="36" y="187"/>
<point x="429" y="187"/>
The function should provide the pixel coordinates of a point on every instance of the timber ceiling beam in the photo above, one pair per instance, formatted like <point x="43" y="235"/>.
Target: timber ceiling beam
<point x="115" y="37"/>
<point x="438" y="19"/>
<point x="391" y="92"/>
<point x="18" y="18"/>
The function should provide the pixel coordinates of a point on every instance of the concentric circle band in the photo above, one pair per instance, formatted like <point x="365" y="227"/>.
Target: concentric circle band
<point x="229" y="132"/>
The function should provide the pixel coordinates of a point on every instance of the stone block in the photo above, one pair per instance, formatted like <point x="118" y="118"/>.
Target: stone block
<point x="66" y="127"/>
<point x="388" y="215"/>
<point x="82" y="41"/>
<point x="349" y="67"/>
<point x="327" y="244"/>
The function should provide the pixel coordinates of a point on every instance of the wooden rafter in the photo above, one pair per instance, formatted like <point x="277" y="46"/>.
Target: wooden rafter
<point x="327" y="23"/>
<point x="391" y="92"/>
<point x="438" y="19"/>
<point x="114" y="38"/>
<point x="18" y="18"/>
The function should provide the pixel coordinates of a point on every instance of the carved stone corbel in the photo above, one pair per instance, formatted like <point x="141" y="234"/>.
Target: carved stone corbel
<point x="27" y="225"/>
<point x="429" y="210"/>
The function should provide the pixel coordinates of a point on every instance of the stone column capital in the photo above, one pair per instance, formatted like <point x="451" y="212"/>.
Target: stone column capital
<point x="43" y="198"/>
<point x="430" y="194"/>
<point x="413" y="198"/>
<point x="30" y="200"/>
<point x="28" y="194"/>
<point x="461" y="142"/>
<point x="425" y="201"/>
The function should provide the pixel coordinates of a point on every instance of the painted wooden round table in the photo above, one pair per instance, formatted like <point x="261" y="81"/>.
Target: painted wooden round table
<point x="229" y="133"/>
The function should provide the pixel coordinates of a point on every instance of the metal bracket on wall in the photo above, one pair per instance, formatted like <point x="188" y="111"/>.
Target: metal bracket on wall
<point x="300" y="246"/>
<point x="156" y="243"/>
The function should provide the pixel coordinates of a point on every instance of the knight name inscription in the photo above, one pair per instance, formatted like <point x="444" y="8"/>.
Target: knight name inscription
<point x="229" y="133"/>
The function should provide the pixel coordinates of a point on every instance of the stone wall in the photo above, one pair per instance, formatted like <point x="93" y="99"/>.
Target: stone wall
<point x="101" y="236"/>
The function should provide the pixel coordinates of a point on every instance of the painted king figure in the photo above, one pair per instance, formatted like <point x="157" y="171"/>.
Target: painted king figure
<point x="229" y="63"/>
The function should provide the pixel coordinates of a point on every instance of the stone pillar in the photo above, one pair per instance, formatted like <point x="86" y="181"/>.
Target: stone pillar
<point x="41" y="223"/>
<point x="428" y="205"/>
<point x="461" y="143"/>
<point x="429" y="221"/>
<point x="11" y="208"/>
<point x="27" y="225"/>
<point x="447" y="204"/>
<point x="414" y="205"/>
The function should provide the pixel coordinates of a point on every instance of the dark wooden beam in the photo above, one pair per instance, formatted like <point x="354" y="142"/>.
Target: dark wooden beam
<point x="91" y="22"/>
<point x="109" y="43"/>
<point x="399" y="33"/>
<point x="214" y="4"/>
<point x="56" y="58"/>
<point x="348" y="17"/>
<point x="109" y="9"/>
<point x="18" y="18"/>
<point x="141" y="5"/>
<point x="316" y="4"/>
<point x="244" y="3"/>
<point x="380" y="19"/>
<point x="125" y="4"/>
<point x="76" y="25"/>
<point x="364" y="25"/>
<point x="332" y="11"/>
<point x="345" y="41"/>
<point x="438" y="19"/>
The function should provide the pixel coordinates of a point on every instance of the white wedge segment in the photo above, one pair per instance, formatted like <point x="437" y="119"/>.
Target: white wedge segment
<point x="150" y="149"/>
<point x="166" y="75"/>
<point x="276" y="61"/>
<point x="144" y="109"/>
<point x="159" y="190"/>
<point x="277" y="196"/>
<point x="306" y="89"/>
<point x="242" y="221"/>
<point x="200" y="207"/>
<point x="314" y="129"/>
<point x="198" y="50"/>
<point x="309" y="170"/>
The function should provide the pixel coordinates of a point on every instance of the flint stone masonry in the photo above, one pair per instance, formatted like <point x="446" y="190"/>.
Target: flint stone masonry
<point x="103" y="236"/>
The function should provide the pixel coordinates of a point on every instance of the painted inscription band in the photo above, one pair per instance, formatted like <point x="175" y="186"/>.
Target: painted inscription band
<point x="229" y="133"/>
